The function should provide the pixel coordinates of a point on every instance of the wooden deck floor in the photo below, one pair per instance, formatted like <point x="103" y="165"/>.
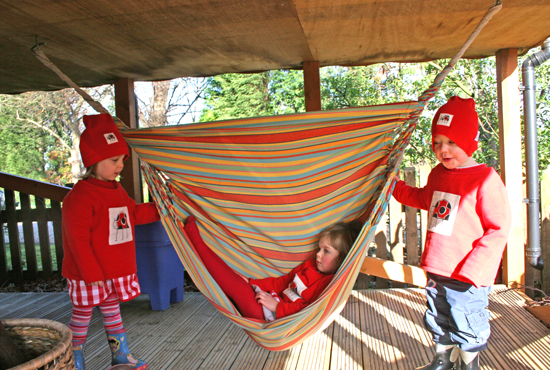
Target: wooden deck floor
<point x="378" y="329"/>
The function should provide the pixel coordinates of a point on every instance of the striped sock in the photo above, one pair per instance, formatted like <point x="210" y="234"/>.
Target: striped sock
<point x="110" y="309"/>
<point x="80" y="320"/>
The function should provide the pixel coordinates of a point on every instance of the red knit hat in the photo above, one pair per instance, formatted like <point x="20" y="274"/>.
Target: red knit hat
<point x="457" y="119"/>
<point x="101" y="140"/>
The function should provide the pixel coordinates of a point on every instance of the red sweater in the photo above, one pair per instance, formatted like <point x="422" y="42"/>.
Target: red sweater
<point x="469" y="220"/>
<point x="98" y="230"/>
<point x="306" y="283"/>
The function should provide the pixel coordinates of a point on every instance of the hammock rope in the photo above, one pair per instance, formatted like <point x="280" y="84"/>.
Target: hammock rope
<point x="262" y="189"/>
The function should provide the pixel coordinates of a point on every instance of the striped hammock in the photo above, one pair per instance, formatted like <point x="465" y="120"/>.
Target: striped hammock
<point x="263" y="188"/>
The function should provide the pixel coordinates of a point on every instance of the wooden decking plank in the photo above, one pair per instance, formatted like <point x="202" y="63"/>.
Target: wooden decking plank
<point x="346" y="341"/>
<point x="406" y="334"/>
<point x="251" y="357"/>
<point x="193" y="355"/>
<point x="378" y="352"/>
<point x="526" y="338"/>
<point x="284" y="360"/>
<point x="316" y="351"/>
<point x="7" y="297"/>
<point x="40" y="307"/>
<point x="152" y="328"/>
<point x="22" y="304"/>
<point x="227" y="349"/>
<point x="176" y="341"/>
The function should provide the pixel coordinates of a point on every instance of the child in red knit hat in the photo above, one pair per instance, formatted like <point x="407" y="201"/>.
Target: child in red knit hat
<point x="469" y="221"/>
<point x="99" y="260"/>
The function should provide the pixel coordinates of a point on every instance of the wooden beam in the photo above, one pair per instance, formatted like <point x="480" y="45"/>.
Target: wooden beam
<point x="312" y="86"/>
<point x="126" y="110"/>
<point x="394" y="271"/>
<point x="513" y="261"/>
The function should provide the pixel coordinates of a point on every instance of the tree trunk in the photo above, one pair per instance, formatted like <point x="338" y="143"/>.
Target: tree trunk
<point x="159" y="102"/>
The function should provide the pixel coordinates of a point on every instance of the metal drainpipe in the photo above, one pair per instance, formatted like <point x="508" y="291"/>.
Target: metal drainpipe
<point x="533" y="251"/>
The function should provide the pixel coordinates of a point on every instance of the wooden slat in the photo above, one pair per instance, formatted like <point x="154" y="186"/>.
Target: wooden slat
<point x="13" y="234"/>
<point x="378" y="329"/>
<point x="411" y="225"/>
<point x="28" y="236"/>
<point x="396" y="235"/>
<point x="394" y="271"/>
<point x="381" y="248"/>
<point x="44" y="237"/>
<point x="3" y="257"/>
<point x="55" y="210"/>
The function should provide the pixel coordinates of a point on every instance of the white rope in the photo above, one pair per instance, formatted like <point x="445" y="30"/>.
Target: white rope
<point x="495" y="8"/>
<point x="48" y="63"/>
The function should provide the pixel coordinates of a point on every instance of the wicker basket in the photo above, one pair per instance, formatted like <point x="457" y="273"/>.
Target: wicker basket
<point x="47" y="342"/>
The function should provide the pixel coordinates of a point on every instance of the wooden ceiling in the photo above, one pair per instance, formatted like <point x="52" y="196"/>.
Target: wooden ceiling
<point x="97" y="41"/>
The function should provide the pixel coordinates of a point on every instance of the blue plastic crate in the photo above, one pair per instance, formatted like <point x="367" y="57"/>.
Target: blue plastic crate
<point x="160" y="271"/>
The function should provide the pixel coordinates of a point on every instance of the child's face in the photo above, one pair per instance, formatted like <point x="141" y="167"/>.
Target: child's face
<point x="450" y="154"/>
<point x="109" y="169"/>
<point x="327" y="257"/>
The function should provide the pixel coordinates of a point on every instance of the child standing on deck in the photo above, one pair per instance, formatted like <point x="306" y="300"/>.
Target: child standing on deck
<point x="469" y="221"/>
<point x="98" y="240"/>
<point x="275" y="297"/>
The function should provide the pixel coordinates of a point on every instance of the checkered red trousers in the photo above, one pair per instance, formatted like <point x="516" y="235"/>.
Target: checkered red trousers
<point x="126" y="288"/>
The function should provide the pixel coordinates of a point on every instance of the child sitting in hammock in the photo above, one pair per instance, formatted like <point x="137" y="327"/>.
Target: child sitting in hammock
<point x="271" y="298"/>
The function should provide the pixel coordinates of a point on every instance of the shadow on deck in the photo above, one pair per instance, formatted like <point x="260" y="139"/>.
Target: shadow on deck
<point x="378" y="329"/>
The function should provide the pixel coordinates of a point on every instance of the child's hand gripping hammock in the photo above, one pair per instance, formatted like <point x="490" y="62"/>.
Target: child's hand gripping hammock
<point x="263" y="188"/>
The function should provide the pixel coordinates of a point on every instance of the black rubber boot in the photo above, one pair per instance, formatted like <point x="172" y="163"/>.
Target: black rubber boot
<point x="474" y="365"/>
<point x="441" y="361"/>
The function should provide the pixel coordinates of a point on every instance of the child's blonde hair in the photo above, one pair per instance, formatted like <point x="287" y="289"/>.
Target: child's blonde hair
<point x="89" y="172"/>
<point x="342" y="235"/>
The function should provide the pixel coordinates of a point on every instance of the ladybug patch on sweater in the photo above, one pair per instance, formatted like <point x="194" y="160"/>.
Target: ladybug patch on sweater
<point x="443" y="212"/>
<point x="120" y="230"/>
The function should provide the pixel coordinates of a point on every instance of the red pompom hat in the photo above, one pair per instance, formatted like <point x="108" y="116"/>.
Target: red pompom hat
<point x="101" y="140"/>
<point x="457" y="119"/>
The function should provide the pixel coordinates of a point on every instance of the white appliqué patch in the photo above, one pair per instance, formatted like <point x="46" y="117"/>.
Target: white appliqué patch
<point x="443" y="210"/>
<point x="295" y="293"/>
<point x="445" y="119"/>
<point x="111" y="138"/>
<point x="120" y="229"/>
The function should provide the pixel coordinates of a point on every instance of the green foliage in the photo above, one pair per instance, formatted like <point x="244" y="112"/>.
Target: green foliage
<point x="252" y="95"/>
<point x="542" y="80"/>
<point x="24" y="147"/>
<point x="36" y="133"/>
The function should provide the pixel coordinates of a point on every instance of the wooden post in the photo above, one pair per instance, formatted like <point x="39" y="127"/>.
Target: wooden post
<point x="396" y="235"/>
<point x="381" y="247"/>
<point x="312" y="86"/>
<point x="423" y="172"/>
<point x="513" y="261"/>
<point x="125" y="101"/>
<point x="411" y="223"/>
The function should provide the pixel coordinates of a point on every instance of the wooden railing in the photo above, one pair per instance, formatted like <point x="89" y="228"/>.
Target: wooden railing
<point x="28" y="203"/>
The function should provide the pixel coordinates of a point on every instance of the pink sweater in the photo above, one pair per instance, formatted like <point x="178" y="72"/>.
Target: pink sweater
<point x="469" y="220"/>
